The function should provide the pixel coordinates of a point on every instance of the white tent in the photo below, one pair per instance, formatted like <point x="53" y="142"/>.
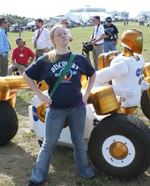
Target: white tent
<point x="104" y="15"/>
<point x="86" y="16"/>
<point x="31" y="24"/>
<point x="72" y="17"/>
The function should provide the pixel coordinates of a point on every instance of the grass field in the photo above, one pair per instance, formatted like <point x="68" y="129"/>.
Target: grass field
<point x="17" y="157"/>
<point x="83" y="34"/>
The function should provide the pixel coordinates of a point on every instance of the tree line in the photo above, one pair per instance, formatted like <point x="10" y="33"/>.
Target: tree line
<point x="12" y="19"/>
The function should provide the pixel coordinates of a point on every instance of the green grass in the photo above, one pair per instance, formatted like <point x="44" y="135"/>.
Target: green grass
<point x="83" y="34"/>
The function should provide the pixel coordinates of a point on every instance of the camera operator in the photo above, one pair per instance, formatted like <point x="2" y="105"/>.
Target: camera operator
<point x="87" y="47"/>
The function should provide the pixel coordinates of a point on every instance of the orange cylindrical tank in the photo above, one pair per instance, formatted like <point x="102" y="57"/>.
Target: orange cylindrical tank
<point x="103" y="100"/>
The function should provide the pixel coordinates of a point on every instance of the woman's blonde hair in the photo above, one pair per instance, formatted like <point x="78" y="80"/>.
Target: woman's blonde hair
<point x="52" y="53"/>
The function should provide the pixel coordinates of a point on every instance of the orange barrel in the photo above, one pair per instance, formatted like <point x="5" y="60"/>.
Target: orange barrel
<point x="103" y="99"/>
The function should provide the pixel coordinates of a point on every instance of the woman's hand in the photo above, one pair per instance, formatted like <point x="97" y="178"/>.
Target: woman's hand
<point x="88" y="88"/>
<point x="85" y="98"/>
<point x="45" y="99"/>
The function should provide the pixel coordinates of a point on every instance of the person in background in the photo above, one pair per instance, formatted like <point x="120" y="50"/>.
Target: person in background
<point x="4" y="47"/>
<point x="41" y="39"/>
<point x="64" y="22"/>
<point x="97" y="40"/>
<point x="111" y="36"/>
<point x="22" y="57"/>
<point x="67" y="103"/>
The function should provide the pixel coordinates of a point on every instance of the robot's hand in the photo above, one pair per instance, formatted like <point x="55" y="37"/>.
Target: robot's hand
<point x="144" y="85"/>
<point x="128" y="92"/>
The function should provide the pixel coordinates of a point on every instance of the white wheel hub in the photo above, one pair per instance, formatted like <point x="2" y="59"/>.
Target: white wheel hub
<point x="118" y="151"/>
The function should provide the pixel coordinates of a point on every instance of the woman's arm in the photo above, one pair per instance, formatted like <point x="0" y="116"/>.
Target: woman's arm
<point x="44" y="98"/>
<point x="89" y="87"/>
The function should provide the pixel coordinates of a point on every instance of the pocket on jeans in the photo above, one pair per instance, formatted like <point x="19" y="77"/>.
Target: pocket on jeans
<point x="81" y="111"/>
<point x="54" y="114"/>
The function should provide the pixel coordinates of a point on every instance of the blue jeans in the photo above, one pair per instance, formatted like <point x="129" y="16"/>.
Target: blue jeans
<point x="109" y="46"/>
<point x="54" y="124"/>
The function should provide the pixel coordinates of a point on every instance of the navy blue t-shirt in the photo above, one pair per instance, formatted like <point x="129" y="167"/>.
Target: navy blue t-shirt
<point x="111" y="31"/>
<point x="68" y="93"/>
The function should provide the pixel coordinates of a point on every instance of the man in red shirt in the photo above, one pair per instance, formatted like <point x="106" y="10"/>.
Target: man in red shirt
<point x="22" y="57"/>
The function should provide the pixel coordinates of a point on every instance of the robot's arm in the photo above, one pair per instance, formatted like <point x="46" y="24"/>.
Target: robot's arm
<point x="121" y="92"/>
<point x="144" y="85"/>
<point x="127" y="92"/>
<point x="118" y="69"/>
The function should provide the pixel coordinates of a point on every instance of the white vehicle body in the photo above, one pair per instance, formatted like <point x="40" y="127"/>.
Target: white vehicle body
<point x="65" y="139"/>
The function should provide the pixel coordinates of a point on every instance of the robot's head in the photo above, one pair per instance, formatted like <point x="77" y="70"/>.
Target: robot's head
<point x="133" y="39"/>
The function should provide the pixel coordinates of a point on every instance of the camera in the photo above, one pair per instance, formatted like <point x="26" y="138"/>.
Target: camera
<point x="87" y="47"/>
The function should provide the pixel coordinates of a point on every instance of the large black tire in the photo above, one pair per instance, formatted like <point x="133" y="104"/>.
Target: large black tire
<point x="119" y="146"/>
<point x="8" y="122"/>
<point x="145" y="104"/>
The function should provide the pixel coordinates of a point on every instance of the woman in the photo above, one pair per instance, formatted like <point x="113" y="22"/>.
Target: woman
<point x="67" y="103"/>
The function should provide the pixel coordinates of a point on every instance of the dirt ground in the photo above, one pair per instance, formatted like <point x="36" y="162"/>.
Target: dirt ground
<point x="17" y="159"/>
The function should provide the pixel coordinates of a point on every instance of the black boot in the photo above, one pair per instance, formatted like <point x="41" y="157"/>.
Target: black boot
<point x="31" y="183"/>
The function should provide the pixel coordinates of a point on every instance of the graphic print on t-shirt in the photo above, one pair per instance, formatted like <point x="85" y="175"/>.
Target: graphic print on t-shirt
<point x="68" y="75"/>
<point x="110" y="32"/>
<point x="59" y="67"/>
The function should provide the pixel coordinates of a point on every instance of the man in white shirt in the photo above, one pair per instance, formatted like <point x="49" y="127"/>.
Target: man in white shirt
<point x="41" y="39"/>
<point x="97" y="40"/>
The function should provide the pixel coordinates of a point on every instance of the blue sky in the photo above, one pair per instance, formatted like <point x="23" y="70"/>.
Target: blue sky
<point x="49" y="8"/>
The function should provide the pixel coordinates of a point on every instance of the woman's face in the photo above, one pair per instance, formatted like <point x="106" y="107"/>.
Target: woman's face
<point x="60" y="38"/>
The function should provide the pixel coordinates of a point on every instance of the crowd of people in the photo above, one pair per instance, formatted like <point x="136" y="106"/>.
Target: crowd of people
<point x="23" y="56"/>
<point x="103" y="39"/>
<point x="52" y="58"/>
